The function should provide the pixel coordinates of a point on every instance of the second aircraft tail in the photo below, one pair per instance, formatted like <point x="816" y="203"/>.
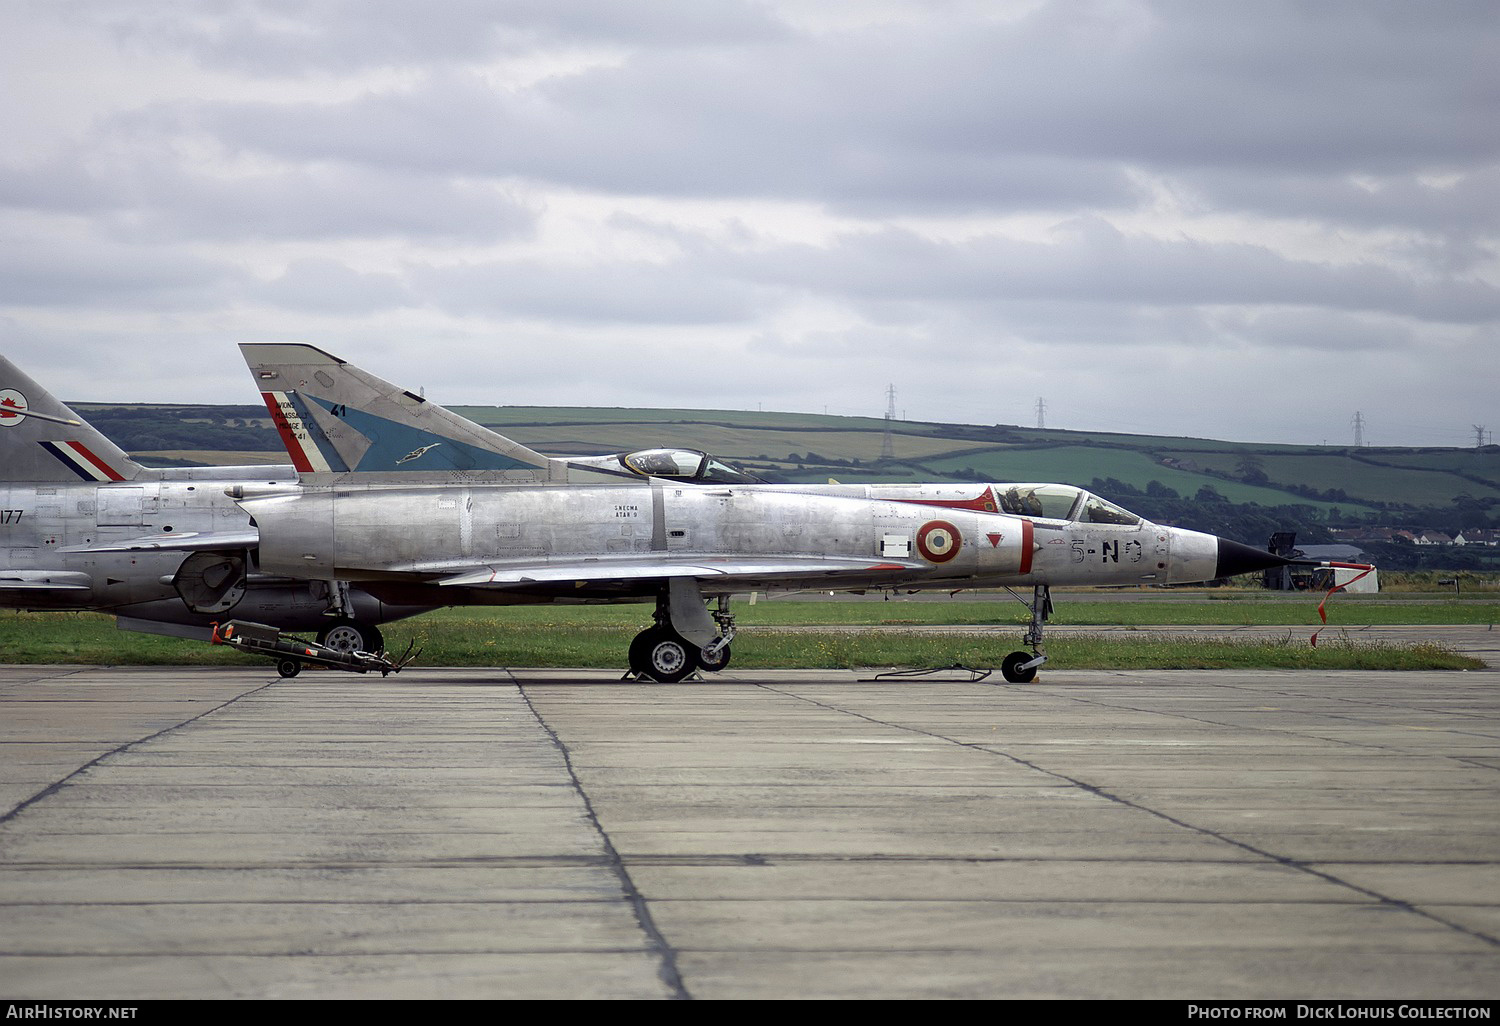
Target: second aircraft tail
<point x="337" y="419"/>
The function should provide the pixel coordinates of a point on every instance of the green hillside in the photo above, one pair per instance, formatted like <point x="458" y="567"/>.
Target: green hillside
<point x="812" y="447"/>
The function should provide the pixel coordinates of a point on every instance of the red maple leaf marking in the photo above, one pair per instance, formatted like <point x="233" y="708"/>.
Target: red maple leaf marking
<point x="8" y="401"/>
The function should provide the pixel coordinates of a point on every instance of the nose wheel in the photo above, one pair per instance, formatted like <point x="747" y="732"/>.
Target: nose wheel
<point x="712" y="661"/>
<point x="1020" y="667"/>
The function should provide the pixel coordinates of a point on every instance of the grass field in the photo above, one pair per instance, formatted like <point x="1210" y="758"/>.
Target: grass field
<point x="807" y="634"/>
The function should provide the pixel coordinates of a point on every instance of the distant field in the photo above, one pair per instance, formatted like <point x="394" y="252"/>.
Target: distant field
<point x="541" y="416"/>
<point x="1428" y="477"/>
<point x="734" y="442"/>
<point x="1081" y="464"/>
<point x="1440" y="477"/>
<point x="849" y="449"/>
<point x="213" y="457"/>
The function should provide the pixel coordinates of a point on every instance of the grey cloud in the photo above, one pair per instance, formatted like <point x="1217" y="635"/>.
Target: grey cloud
<point x="48" y="272"/>
<point x="56" y="186"/>
<point x="276" y="37"/>
<point x="328" y="287"/>
<point x="1049" y="112"/>
<point x="336" y="203"/>
<point x="1291" y="331"/>
<point x="135" y="193"/>
<point x="1465" y="204"/>
<point x="461" y="125"/>
<point x="1330" y="86"/>
<point x="1093" y="263"/>
<point x="667" y="294"/>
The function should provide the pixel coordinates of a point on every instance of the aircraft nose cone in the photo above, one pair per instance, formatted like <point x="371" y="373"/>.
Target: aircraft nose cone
<point x="1235" y="558"/>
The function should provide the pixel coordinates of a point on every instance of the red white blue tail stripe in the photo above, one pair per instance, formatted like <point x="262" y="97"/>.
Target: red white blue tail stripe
<point x="78" y="458"/>
<point x="300" y="437"/>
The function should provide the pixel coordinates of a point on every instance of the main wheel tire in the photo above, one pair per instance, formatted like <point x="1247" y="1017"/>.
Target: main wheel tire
<point x="1010" y="668"/>
<point x="351" y="636"/>
<point x="671" y="659"/>
<point x="640" y="660"/>
<point x="661" y="654"/>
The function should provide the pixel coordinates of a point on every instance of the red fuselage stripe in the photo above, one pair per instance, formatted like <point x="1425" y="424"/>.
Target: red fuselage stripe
<point x="984" y="502"/>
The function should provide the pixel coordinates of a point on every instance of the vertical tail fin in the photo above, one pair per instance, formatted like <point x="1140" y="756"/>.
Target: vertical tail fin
<point x="336" y="419"/>
<point x="42" y="440"/>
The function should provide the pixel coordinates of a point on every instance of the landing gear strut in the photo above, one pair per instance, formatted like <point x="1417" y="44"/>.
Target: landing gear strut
<point x="662" y="654"/>
<point x="344" y="632"/>
<point x="1021" y="667"/>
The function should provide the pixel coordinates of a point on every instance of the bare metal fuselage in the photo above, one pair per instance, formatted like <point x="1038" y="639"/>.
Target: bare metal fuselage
<point x="598" y="543"/>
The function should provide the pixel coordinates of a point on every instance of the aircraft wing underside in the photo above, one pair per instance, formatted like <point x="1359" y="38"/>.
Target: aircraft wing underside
<point x="812" y="570"/>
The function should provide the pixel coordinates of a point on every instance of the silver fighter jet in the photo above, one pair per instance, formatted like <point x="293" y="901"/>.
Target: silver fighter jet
<point x="85" y="527"/>
<point x="419" y="506"/>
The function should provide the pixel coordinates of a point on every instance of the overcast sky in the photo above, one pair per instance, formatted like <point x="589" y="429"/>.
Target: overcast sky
<point x="1235" y="220"/>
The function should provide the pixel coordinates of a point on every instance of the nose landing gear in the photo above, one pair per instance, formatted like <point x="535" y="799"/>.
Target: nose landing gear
<point x="1021" y="667"/>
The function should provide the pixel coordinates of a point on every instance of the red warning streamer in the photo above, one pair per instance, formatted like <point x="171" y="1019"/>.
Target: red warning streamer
<point x="1365" y="569"/>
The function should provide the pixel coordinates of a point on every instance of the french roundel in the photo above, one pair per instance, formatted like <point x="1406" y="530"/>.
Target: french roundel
<point x="938" y="541"/>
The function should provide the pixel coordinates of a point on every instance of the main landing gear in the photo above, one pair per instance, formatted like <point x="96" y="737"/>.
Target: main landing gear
<point x="662" y="653"/>
<point x="1021" y="667"/>
<point x="344" y="632"/>
<point x="352" y="636"/>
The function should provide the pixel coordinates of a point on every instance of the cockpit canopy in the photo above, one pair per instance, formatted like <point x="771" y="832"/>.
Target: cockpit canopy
<point x="1062" y="502"/>
<point x="692" y="465"/>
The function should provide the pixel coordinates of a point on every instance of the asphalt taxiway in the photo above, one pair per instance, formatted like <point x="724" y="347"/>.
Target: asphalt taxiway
<point x="461" y="833"/>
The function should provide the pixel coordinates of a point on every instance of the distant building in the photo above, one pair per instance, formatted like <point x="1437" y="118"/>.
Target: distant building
<point x="1365" y="535"/>
<point x="1334" y="553"/>
<point x="1313" y="578"/>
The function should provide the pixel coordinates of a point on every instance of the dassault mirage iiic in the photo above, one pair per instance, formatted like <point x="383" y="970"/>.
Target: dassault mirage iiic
<point x="85" y="527"/>
<point x="421" y="507"/>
